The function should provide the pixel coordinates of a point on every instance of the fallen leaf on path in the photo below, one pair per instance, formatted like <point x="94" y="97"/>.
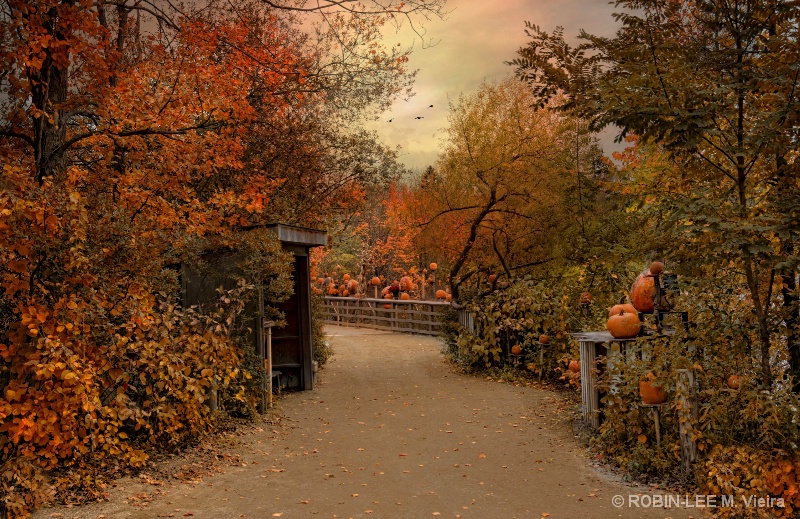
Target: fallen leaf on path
<point x="545" y="514"/>
<point x="403" y="454"/>
<point x="482" y="455"/>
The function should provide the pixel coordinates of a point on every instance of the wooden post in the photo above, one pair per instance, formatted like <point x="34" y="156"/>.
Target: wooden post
<point x="590" y="399"/>
<point x="269" y="364"/>
<point x="657" y="423"/>
<point x="655" y="409"/>
<point x="541" y="361"/>
<point x="261" y="347"/>
<point x="687" y="413"/>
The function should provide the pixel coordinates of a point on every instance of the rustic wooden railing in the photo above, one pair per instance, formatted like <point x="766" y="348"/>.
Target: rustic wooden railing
<point x="422" y="317"/>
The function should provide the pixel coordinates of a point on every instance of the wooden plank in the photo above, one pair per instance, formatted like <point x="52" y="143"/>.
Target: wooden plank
<point x="391" y="329"/>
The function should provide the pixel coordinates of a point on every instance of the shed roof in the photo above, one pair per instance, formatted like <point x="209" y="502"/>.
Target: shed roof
<point x="293" y="235"/>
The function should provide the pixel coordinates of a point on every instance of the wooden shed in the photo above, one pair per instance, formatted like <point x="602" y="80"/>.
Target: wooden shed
<point x="292" y="346"/>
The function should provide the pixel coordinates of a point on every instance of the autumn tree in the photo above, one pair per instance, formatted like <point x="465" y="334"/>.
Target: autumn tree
<point x="714" y="85"/>
<point x="501" y="193"/>
<point x="133" y="137"/>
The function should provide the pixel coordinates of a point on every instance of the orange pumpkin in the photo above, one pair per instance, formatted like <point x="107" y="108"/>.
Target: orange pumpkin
<point x="404" y="296"/>
<point x="624" y="325"/>
<point x="433" y="266"/>
<point x="441" y="294"/>
<point x="544" y="339"/>
<point x="642" y="292"/>
<point x="651" y="393"/>
<point x="320" y="280"/>
<point x="492" y="278"/>
<point x="346" y="277"/>
<point x="332" y="291"/>
<point x="388" y="295"/>
<point x="405" y="283"/>
<point x="574" y="366"/>
<point x="733" y="382"/>
<point x="586" y="298"/>
<point x="516" y="349"/>
<point x="375" y="280"/>
<point x="388" y="307"/>
<point x="345" y="293"/>
<point x="656" y="268"/>
<point x="622" y="307"/>
<point x="352" y="285"/>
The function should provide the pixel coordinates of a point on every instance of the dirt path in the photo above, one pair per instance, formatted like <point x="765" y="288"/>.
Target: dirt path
<point x="391" y="431"/>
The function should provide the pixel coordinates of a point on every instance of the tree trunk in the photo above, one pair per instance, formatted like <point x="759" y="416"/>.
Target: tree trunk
<point x="455" y="281"/>
<point x="48" y="94"/>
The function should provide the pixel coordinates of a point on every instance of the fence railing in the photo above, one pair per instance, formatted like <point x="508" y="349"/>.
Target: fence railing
<point x="394" y="315"/>
<point x="467" y="320"/>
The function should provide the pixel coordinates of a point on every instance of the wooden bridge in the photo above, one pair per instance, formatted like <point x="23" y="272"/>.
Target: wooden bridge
<point x="396" y="315"/>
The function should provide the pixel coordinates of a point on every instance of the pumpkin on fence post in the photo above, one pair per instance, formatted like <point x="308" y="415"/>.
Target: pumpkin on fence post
<point x="624" y="325"/>
<point x="622" y="306"/>
<point x="652" y="394"/>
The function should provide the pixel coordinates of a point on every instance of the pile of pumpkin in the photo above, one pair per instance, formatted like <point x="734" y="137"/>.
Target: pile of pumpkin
<point x="402" y="289"/>
<point x="347" y="288"/>
<point x="623" y="319"/>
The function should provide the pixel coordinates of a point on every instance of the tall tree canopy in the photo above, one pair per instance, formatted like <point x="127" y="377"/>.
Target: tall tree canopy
<point x="503" y="191"/>
<point x="715" y="85"/>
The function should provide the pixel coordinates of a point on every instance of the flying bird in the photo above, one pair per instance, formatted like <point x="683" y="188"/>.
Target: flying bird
<point x="419" y="117"/>
<point x="392" y="119"/>
<point x="431" y="106"/>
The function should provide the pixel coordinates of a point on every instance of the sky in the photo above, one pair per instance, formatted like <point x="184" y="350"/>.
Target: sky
<point x="474" y="41"/>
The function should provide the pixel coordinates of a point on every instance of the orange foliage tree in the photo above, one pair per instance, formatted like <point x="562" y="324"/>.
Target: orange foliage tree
<point x="499" y="196"/>
<point x="135" y="136"/>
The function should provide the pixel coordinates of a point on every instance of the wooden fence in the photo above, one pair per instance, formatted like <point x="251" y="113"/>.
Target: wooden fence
<point x="422" y="317"/>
